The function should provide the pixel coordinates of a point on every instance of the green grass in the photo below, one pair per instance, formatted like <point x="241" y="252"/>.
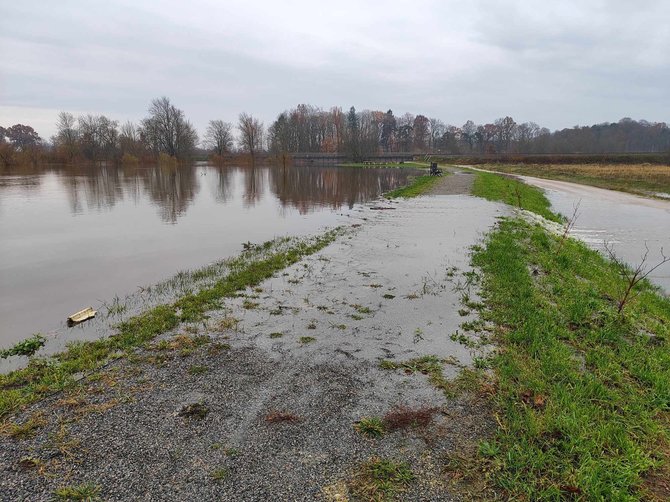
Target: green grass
<point x="43" y="376"/>
<point x="583" y="393"/>
<point x="219" y="474"/>
<point x="26" y="347"/>
<point x="513" y="192"/>
<point x="370" y="426"/>
<point x="87" y="491"/>
<point x="418" y="186"/>
<point x="381" y="480"/>
<point x="197" y="369"/>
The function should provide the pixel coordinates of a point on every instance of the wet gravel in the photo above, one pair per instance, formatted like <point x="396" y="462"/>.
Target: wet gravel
<point x="455" y="182"/>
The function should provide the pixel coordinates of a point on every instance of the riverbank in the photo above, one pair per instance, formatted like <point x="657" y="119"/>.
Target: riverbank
<point x="365" y="370"/>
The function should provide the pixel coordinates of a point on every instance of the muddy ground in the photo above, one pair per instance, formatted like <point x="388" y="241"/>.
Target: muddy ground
<point x="260" y="402"/>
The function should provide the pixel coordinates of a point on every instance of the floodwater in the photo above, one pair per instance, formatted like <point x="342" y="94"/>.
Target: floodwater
<point x="391" y="290"/>
<point x="73" y="237"/>
<point x="630" y="223"/>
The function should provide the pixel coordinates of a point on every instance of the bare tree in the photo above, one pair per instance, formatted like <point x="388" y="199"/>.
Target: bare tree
<point x="251" y="134"/>
<point x="468" y="134"/>
<point x="421" y="130"/>
<point x="505" y="133"/>
<point x="98" y="137"/>
<point x="219" y="137"/>
<point x="437" y="130"/>
<point x="67" y="134"/>
<point x="167" y="131"/>
<point x="129" y="140"/>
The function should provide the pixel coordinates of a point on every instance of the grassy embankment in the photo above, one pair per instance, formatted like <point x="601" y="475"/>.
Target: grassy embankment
<point x="582" y="392"/>
<point x="643" y="179"/>
<point x="418" y="186"/>
<point x="510" y="191"/>
<point x="43" y="376"/>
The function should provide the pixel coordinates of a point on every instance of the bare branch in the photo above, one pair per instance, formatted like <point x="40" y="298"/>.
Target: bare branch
<point x="569" y="225"/>
<point x="632" y="277"/>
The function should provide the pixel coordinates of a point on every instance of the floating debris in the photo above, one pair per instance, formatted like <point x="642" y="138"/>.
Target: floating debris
<point x="81" y="316"/>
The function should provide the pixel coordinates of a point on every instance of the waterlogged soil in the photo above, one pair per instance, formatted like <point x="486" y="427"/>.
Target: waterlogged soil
<point x="259" y="401"/>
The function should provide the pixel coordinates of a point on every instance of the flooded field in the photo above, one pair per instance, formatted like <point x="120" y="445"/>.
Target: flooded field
<point x="629" y="222"/>
<point x="78" y="237"/>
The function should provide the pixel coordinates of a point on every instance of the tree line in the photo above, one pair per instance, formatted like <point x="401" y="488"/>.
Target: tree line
<point x="362" y="134"/>
<point x="166" y="132"/>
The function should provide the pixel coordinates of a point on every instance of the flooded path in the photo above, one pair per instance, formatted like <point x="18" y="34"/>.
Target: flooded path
<point x="629" y="222"/>
<point x="392" y="290"/>
<point x="287" y="371"/>
<point x="73" y="237"/>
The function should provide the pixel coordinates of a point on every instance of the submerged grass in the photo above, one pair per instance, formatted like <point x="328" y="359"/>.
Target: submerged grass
<point x="43" y="376"/>
<point x="583" y="392"/>
<point x="418" y="186"/>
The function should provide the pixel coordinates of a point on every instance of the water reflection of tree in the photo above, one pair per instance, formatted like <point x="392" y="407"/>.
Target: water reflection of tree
<point x="100" y="187"/>
<point x="171" y="188"/>
<point x="96" y="187"/>
<point x="255" y="182"/>
<point x="306" y="187"/>
<point x="174" y="188"/>
<point x="224" y="186"/>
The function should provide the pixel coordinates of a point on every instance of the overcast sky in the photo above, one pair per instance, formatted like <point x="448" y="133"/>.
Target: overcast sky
<point x="558" y="63"/>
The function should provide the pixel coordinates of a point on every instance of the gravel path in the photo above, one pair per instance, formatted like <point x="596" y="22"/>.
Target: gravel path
<point x="456" y="183"/>
<point x="259" y="402"/>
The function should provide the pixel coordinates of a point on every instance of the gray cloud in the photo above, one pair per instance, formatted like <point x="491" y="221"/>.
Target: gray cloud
<point x="558" y="63"/>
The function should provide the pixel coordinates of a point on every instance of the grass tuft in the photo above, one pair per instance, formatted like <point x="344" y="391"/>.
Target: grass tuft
<point x="370" y="426"/>
<point x="219" y="474"/>
<point x="86" y="491"/>
<point x="380" y="480"/>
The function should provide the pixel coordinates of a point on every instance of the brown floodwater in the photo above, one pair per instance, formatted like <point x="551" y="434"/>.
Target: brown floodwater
<point x="73" y="237"/>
